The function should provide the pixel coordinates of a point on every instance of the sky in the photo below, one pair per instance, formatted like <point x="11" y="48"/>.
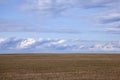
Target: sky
<point x="59" y="26"/>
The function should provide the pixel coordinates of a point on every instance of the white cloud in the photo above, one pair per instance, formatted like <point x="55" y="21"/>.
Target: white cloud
<point x="56" y="7"/>
<point x="97" y="47"/>
<point x="43" y="45"/>
<point x="59" y="42"/>
<point x="110" y="17"/>
<point x="109" y="47"/>
<point x="105" y="47"/>
<point x="2" y="40"/>
<point x="114" y="30"/>
<point x="26" y="43"/>
<point x="47" y="7"/>
<point x="110" y="21"/>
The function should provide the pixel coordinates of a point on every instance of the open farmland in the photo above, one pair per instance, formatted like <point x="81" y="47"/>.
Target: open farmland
<point x="60" y="67"/>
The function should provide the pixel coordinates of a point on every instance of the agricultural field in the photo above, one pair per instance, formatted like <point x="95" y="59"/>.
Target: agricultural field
<point x="59" y="67"/>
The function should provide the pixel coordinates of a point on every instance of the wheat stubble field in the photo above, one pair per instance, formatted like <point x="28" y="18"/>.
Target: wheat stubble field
<point x="60" y="67"/>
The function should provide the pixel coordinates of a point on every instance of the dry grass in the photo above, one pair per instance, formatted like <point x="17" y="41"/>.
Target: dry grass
<point x="60" y="67"/>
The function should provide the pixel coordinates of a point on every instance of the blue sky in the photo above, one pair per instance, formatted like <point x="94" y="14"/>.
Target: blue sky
<point x="66" y="25"/>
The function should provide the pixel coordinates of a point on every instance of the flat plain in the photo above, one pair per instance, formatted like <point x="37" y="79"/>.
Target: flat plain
<point x="60" y="67"/>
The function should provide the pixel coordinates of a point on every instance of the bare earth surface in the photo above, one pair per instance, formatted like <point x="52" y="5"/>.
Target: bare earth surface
<point x="60" y="67"/>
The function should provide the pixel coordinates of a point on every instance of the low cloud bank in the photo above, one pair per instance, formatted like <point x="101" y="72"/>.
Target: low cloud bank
<point x="32" y="45"/>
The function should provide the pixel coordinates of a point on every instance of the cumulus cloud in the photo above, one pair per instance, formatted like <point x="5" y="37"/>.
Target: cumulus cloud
<point x="26" y="43"/>
<point x="43" y="45"/>
<point x="2" y="40"/>
<point x="10" y="43"/>
<point x="111" y="46"/>
<point x="99" y="47"/>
